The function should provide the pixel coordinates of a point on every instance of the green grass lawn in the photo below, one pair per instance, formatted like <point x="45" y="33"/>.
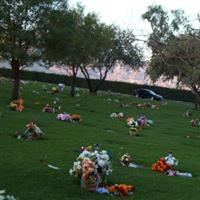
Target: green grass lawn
<point x="22" y="174"/>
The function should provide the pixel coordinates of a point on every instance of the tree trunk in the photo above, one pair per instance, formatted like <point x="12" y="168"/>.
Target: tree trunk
<point x="196" y="94"/>
<point x="88" y="80"/>
<point x="91" y="90"/>
<point x="16" y="79"/>
<point x="74" y="74"/>
<point x="72" y="91"/>
<point x="102" y="77"/>
<point x="197" y="102"/>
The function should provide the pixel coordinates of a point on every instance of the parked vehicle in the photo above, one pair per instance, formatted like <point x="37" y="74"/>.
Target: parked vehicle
<point x="149" y="94"/>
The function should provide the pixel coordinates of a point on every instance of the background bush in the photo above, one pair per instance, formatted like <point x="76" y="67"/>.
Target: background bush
<point x="114" y="86"/>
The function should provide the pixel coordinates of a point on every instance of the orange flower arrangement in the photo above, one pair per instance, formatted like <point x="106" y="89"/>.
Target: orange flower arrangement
<point x="76" y="117"/>
<point x="17" y="105"/>
<point x="20" y="105"/>
<point x="121" y="189"/>
<point x="161" y="166"/>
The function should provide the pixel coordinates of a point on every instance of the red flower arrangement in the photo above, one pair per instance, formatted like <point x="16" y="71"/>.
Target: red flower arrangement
<point x="161" y="165"/>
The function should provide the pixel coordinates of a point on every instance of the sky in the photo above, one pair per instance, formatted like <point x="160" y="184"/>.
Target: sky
<point x="127" y="13"/>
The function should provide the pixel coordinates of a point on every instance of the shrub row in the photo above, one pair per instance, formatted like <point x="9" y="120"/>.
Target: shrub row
<point x="119" y="87"/>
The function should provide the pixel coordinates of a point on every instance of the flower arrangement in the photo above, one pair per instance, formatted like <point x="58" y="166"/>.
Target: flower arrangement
<point x="4" y="196"/>
<point x="121" y="189"/>
<point x="187" y="114"/>
<point x="130" y="121"/>
<point x="117" y="115"/>
<point x="55" y="90"/>
<point x="141" y="122"/>
<point x="135" y="125"/>
<point x="61" y="87"/>
<point x="49" y="109"/>
<point x="91" y="166"/>
<point x="171" y="160"/>
<point x="90" y="178"/>
<point x="126" y="159"/>
<point x="33" y="131"/>
<point x="69" y="117"/>
<point x="64" y="117"/>
<point x="75" y="118"/>
<point x="17" y="105"/>
<point x="195" y="122"/>
<point x="141" y="105"/>
<point x="161" y="165"/>
<point x="157" y="106"/>
<point x="165" y="165"/>
<point x="148" y="105"/>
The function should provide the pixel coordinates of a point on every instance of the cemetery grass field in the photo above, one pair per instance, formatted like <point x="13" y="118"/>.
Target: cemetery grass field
<point x="24" y="176"/>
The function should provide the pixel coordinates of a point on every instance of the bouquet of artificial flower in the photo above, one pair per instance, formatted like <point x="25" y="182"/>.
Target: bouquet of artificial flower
<point x="139" y="123"/>
<point x="99" y="162"/>
<point x="126" y="159"/>
<point x="17" y="105"/>
<point x="171" y="160"/>
<point x="121" y="189"/>
<point x="48" y="108"/>
<point x="90" y="178"/>
<point x="64" y="117"/>
<point x="33" y="131"/>
<point x="143" y="121"/>
<point x="117" y="115"/>
<point x="68" y="117"/>
<point x="195" y="122"/>
<point x="161" y="166"/>
<point x="165" y="165"/>
<point x="55" y="90"/>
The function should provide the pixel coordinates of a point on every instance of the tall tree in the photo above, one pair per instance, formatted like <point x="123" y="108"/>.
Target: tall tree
<point x="107" y="45"/>
<point x="63" y="40"/>
<point x="175" y="49"/>
<point x="19" y="33"/>
<point x="82" y="42"/>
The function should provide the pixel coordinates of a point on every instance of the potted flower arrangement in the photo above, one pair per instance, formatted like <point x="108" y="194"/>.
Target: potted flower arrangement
<point x="91" y="167"/>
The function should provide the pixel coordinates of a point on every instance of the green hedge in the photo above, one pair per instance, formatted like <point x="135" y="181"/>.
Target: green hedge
<point x="114" y="86"/>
